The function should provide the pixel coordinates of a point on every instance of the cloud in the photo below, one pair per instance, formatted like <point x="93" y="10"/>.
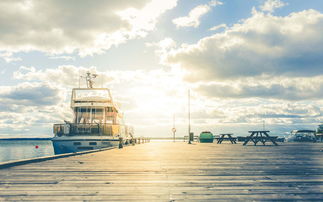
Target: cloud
<point x="30" y="108"/>
<point x="193" y="18"/>
<point x="260" y="45"/>
<point x="255" y="111"/>
<point x="65" y="76"/>
<point x="218" y="27"/>
<point x="58" y="26"/>
<point x="271" y="5"/>
<point x="270" y="88"/>
<point x="8" y="57"/>
<point x="145" y="96"/>
<point x="30" y="94"/>
<point x="215" y="3"/>
<point x="62" y="57"/>
<point x="150" y="98"/>
<point x="163" y="47"/>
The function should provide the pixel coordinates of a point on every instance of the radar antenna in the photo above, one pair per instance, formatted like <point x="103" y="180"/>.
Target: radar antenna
<point x="89" y="79"/>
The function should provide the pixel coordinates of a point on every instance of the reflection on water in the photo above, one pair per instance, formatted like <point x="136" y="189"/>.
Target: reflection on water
<point x="24" y="149"/>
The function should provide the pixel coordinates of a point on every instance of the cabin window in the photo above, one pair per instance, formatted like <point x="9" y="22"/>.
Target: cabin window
<point x="92" y="143"/>
<point x="76" y="143"/>
<point x="97" y="115"/>
<point x="89" y="115"/>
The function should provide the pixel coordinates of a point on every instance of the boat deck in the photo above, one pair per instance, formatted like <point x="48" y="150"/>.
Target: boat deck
<point x="167" y="171"/>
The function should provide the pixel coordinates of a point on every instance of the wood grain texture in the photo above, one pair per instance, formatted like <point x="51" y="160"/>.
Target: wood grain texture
<point x="168" y="171"/>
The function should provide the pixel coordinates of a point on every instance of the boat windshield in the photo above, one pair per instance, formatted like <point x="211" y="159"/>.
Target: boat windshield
<point x="92" y="93"/>
<point x="303" y="133"/>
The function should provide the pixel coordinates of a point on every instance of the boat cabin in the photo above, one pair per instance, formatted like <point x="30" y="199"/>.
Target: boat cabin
<point x="94" y="106"/>
<point x="302" y="136"/>
<point x="95" y="113"/>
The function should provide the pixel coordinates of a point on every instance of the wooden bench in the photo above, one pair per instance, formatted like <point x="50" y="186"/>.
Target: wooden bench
<point x="228" y="138"/>
<point x="260" y="136"/>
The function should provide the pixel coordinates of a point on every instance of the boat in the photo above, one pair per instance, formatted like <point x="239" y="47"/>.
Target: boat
<point x="302" y="136"/>
<point x="97" y="121"/>
<point x="206" y="137"/>
<point x="319" y="133"/>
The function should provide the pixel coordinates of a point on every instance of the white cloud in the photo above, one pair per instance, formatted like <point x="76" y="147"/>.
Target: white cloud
<point x="146" y="97"/>
<point x="263" y="68"/>
<point x="281" y="88"/>
<point x="218" y="27"/>
<point x="30" y="94"/>
<point x="8" y="57"/>
<point x="31" y="108"/>
<point x="271" y="5"/>
<point x="66" y="76"/>
<point x="62" y="57"/>
<point x="215" y="3"/>
<point x="150" y="98"/>
<point x="59" y="26"/>
<point x="260" y="45"/>
<point x="193" y="18"/>
<point x="163" y="47"/>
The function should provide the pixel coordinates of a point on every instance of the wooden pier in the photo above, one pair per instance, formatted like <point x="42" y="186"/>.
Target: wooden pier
<point x="167" y="171"/>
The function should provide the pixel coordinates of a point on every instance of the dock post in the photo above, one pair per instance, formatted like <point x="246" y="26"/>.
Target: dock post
<point x="191" y="138"/>
<point x="120" y="142"/>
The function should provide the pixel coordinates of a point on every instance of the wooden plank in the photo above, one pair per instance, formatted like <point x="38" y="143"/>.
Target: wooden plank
<point x="173" y="171"/>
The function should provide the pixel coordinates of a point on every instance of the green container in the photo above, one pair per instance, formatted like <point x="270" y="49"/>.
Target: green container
<point x="206" y="137"/>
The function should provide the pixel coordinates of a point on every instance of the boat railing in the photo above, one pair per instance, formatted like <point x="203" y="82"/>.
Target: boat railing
<point x="86" y="129"/>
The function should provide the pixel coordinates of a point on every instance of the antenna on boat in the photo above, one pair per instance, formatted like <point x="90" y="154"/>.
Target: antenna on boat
<point x="89" y="79"/>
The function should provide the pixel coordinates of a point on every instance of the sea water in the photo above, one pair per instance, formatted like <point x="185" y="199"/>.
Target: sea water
<point x="11" y="150"/>
<point x="24" y="149"/>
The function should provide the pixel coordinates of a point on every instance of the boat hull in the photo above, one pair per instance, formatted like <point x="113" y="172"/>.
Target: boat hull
<point x="72" y="144"/>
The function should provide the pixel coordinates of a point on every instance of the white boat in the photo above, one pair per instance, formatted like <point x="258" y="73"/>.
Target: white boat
<point x="319" y="133"/>
<point x="97" y="122"/>
<point x="302" y="136"/>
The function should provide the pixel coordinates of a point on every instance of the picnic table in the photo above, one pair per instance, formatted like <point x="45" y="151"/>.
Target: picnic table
<point x="229" y="137"/>
<point x="260" y="136"/>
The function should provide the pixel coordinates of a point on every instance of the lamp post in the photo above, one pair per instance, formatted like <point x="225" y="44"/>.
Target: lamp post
<point x="189" y="118"/>
<point x="174" y="129"/>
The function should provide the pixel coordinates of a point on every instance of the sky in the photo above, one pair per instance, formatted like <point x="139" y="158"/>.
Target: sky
<point x="249" y="64"/>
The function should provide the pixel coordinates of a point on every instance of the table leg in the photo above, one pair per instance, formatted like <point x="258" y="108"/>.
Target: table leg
<point x="248" y="138"/>
<point x="271" y="139"/>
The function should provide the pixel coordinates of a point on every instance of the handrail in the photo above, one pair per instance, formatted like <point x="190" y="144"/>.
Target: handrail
<point x="91" y="128"/>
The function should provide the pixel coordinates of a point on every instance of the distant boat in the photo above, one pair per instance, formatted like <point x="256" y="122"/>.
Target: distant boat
<point x="319" y="132"/>
<point x="302" y="136"/>
<point x="97" y="122"/>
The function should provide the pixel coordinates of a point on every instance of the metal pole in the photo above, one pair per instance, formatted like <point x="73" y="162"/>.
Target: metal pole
<point x="189" y="118"/>
<point x="174" y="127"/>
<point x="79" y="79"/>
